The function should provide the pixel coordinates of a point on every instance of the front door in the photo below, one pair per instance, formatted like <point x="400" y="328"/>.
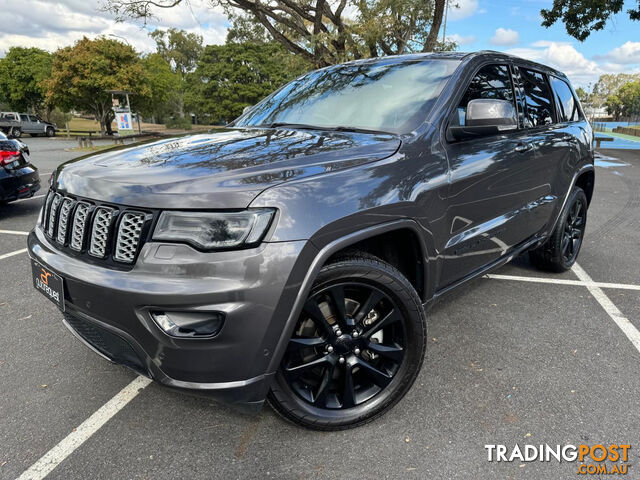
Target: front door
<point x="495" y="185"/>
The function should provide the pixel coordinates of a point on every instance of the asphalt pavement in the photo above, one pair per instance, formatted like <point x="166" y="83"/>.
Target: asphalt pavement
<point x="520" y="357"/>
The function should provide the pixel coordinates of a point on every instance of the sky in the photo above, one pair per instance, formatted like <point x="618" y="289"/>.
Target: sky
<point x="504" y="25"/>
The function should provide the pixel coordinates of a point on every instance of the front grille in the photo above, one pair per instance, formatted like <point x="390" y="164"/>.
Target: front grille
<point x="111" y="345"/>
<point x="106" y="234"/>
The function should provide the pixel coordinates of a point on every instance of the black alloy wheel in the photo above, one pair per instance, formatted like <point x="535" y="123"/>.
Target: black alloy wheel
<point x="356" y="348"/>
<point x="573" y="231"/>
<point x="560" y="252"/>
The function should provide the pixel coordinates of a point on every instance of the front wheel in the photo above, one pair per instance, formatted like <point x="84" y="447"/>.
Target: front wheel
<point x="356" y="349"/>
<point x="561" y="250"/>
<point x="50" y="132"/>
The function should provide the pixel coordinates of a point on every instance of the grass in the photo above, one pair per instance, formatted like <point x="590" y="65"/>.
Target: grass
<point x="95" y="148"/>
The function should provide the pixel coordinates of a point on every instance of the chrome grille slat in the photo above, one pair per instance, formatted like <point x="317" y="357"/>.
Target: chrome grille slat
<point x="129" y="236"/>
<point x="53" y="214"/>
<point x="47" y="209"/>
<point x="80" y="221"/>
<point x="100" y="232"/>
<point x="63" y="221"/>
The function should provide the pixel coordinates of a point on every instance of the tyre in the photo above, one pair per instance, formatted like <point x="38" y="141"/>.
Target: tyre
<point x="50" y="132"/>
<point x="560" y="252"/>
<point x="16" y="133"/>
<point x="356" y="349"/>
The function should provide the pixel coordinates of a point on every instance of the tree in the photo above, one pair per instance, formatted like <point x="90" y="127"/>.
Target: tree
<point x="629" y="95"/>
<point x="236" y="75"/>
<point x="164" y="85"/>
<point x="82" y="73"/>
<point x="319" y="30"/>
<point x="22" y="72"/>
<point x="609" y="84"/>
<point x="581" y="17"/>
<point x="614" y="106"/>
<point x="583" y="95"/>
<point x="182" y="50"/>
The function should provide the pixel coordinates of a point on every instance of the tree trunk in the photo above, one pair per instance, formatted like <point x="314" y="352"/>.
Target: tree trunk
<point x="432" y="38"/>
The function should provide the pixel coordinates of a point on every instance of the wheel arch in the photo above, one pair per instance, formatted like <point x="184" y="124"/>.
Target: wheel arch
<point x="586" y="181"/>
<point x="370" y="236"/>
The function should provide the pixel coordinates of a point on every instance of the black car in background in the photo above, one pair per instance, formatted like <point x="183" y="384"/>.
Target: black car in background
<point x="18" y="177"/>
<point x="293" y="254"/>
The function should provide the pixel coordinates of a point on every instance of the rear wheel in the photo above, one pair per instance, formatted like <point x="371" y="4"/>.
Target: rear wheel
<point x="356" y="349"/>
<point x="562" y="249"/>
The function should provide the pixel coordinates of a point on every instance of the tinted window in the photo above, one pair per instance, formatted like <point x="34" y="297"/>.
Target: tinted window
<point x="24" y="118"/>
<point x="565" y="101"/>
<point x="491" y="81"/>
<point x="538" y="108"/>
<point x="390" y="96"/>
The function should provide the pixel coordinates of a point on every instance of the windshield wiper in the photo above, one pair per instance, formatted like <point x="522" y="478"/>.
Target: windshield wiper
<point x="339" y="128"/>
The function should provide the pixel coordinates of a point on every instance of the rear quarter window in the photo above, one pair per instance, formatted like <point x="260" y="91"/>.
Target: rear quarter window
<point x="567" y="105"/>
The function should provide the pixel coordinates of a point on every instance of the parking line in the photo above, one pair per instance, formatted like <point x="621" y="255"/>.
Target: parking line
<point x="562" y="281"/>
<point x="11" y="254"/>
<point x="30" y="198"/>
<point x="81" y="434"/>
<point x="623" y="323"/>
<point x="14" y="232"/>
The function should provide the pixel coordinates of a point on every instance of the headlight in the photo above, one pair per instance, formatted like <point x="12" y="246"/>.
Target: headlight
<point x="214" y="230"/>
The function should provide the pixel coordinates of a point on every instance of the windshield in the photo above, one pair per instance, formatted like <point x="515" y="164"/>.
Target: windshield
<point x="387" y="96"/>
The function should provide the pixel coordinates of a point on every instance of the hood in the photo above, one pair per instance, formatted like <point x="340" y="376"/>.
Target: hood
<point x="223" y="169"/>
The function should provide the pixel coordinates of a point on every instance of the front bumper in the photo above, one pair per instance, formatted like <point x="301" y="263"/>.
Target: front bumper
<point x="255" y="289"/>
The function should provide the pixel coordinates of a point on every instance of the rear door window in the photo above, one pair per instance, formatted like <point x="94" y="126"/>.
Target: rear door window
<point x="24" y="118"/>
<point x="565" y="101"/>
<point x="491" y="81"/>
<point x="538" y="104"/>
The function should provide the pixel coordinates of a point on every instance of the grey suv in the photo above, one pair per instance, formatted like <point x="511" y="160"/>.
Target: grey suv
<point x="291" y="256"/>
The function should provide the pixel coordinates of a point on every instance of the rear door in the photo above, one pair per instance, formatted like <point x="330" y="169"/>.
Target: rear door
<point x="554" y="143"/>
<point x="494" y="184"/>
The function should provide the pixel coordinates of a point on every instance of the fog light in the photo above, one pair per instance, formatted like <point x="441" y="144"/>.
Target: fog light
<point x="189" y="324"/>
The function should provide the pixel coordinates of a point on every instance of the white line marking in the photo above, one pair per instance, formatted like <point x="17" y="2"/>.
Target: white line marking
<point x="81" y="434"/>
<point x="46" y="173"/>
<point x="625" y="325"/>
<point x="30" y="198"/>
<point x="11" y="254"/>
<point x="14" y="232"/>
<point x="562" y="281"/>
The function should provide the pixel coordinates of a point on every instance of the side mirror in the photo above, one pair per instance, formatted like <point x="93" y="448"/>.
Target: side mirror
<point x="486" y="116"/>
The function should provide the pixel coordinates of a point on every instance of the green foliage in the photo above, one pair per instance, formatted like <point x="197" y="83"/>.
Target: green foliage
<point x="583" y="95"/>
<point x="59" y="117"/>
<point x="82" y="73"/>
<point x="164" y="86"/>
<point x="233" y="76"/>
<point x="322" y="32"/>
<point x="178" y="123"/>
<point x="179" y="48"/>
<point x="581" y="17"/>
<point x="22" y="73"/>
<point x="630" y="98"/>
<point x="614" y="106"/>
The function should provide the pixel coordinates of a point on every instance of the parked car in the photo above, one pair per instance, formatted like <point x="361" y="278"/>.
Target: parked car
<point x="10" y="126"/>
<point x="18" y="177"/>
<point x="31" y="124"/>
<point x="292" y="255"/>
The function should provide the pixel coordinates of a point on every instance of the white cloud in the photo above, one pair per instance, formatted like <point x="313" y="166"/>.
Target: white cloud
<point x="505" y="36"/>
<point x="462" y="40"/>
<point x="627" y="53"/>
<point x="460" y="9"/>
<point x="51" y="25"/>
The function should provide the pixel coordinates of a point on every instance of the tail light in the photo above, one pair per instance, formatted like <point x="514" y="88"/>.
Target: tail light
<point x="7" y="157"/>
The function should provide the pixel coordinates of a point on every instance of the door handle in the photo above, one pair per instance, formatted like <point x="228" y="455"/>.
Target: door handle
<point x="523" y="147"/>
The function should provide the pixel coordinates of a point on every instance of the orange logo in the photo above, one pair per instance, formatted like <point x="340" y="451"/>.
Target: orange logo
<point x="44" y="276"/>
